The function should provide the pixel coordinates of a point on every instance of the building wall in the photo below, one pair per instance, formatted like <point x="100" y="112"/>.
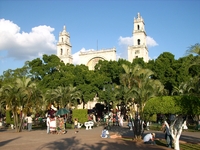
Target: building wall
<point x="91" y="58"/>
<point x="64" y="47"/>
<point x="139" y="48"/>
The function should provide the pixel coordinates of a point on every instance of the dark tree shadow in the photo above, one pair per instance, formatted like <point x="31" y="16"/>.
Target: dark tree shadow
<point x="107" y="144"/>
<point x="2" y="143"/>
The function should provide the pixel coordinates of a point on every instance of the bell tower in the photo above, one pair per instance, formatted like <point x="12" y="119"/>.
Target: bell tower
<point x="64" y="47"/>
<point x="139" y="48"/>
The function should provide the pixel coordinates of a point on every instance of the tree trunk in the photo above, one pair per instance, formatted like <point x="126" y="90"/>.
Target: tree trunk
<point x="176" y="130"/>
<point x="176" y="144"/>
<point x="137" y="129"/>
<point x="15" y="121"/>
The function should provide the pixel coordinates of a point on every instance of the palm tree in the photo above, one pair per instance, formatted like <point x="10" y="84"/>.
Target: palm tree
<point x="141" y="85"/>
<point x="49" y="96"/>
<point x="145" y="88"/>
<point x="37" y="101"/>
<point x="2" y="101"/>
<point x="128" y="78"/>
<point x="64" y="96"/>
<point x="18" y="99"/>
<point x="12" y="95"/>
<point x="194" y="49"/>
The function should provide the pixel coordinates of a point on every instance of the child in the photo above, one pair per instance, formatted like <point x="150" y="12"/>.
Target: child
<point x="76" y="125"/>
<point x="105" y="133"/>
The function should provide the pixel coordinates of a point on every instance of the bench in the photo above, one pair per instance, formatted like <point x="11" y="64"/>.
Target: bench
<point x="89" y="125"/>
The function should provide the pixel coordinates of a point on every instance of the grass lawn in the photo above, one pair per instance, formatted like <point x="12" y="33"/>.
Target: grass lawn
<point x="185" y="146"/>
<point x="157" y="127"/>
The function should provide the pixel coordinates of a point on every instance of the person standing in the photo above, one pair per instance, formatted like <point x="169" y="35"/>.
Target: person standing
<point x="76" y="125"/>
<point x="48" y="124"/>
<point x="168" y="136"/>
<point x="147" y="125"/>
<point x="29" y="122"/>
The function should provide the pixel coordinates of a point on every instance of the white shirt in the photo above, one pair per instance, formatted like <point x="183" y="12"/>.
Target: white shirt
<point x="29" y="119"/>
<point x="148" y="137"/>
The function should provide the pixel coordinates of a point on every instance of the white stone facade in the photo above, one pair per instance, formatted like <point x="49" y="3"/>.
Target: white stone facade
<point x="91" y="58"/>
<point x="139" y="48"/>
<point x="64" y="47"/>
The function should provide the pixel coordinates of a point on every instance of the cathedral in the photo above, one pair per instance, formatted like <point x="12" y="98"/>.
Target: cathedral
<point x="90" y="58"/>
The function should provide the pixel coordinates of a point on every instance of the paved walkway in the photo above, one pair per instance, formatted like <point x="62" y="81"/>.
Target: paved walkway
<point x="83" y="140"/>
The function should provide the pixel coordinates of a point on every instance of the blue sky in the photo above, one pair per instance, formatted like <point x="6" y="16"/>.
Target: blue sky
<point x="30" y="28"/>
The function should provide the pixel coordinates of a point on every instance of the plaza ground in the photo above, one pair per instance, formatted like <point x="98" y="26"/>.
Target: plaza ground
<point x="83" y="140"/>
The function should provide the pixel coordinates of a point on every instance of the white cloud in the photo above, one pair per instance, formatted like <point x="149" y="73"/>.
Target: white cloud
<point x="128" y="41"/>
<point x="151" y="42"/>
<point x="25" y="46"/>
<point x="76" y="57"/>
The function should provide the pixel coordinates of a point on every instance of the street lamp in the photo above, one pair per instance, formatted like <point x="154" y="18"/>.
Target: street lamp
<point x="138" y="111"/>
<point x="109" y="87"/>
<point x="137" y="123"/>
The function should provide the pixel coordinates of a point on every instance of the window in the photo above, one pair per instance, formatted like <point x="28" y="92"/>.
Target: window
<point x="62" y="39"/>
<point x="61" y="51"/>
<point x="138" y="27"/>
<point x="138" y="41"/>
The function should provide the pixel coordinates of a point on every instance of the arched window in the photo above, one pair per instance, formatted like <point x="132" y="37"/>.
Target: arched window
<point x="138" y="41"/>
<point x="61" y="51"/>
<point x="62" y="39"/>
<point x="138" y="27"/>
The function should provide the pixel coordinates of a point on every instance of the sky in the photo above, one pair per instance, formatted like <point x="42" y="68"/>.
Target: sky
<point x="30" y="28"/>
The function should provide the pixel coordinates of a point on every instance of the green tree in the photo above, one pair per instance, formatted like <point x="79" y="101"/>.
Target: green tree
<point x="18" y="97"/>
<point x="164" y="71"/>
<point x="141" y="85"/>
<point x="163" y="105"/>
<point x="146" y="88"/>
<point x="194" y="49"/>
<point x="63" y="96"/>
<point x="190" y="105"/>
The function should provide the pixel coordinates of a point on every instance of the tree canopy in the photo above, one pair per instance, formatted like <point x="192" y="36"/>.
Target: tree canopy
<point x="152" y="85"/>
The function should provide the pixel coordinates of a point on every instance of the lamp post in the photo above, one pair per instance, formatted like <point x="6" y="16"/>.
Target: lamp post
<point x="137" y="123"/>
<point x="138" y="111"/>
<point x="108" y="89"/>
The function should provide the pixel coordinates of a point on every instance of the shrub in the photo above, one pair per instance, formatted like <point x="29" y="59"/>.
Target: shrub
<point x="80" y="114"/>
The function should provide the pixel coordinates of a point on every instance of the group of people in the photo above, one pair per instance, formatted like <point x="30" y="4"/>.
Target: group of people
<point x="56" y="125"/>
<point x="116" y="119"/>
<point x="150" y="137"/>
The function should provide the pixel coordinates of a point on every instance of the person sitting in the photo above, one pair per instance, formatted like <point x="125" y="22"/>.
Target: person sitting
<point x="149" y="138"/>
<point x="105" y="133"/>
